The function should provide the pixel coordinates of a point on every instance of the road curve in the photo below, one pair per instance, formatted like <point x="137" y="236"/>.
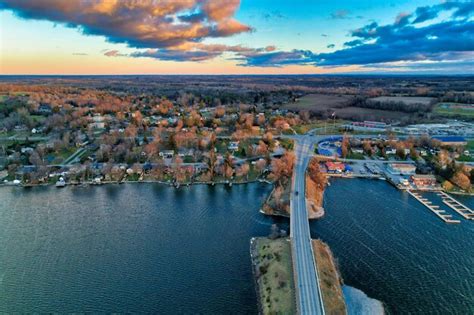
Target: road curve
<point x="308" y="292"/>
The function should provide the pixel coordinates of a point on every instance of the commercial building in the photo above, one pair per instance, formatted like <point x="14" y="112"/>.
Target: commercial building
<point x="335" y="167"/>
<point x="451" y="141"/>
<point x="401" y="168"/>
<point x="367" y="125"/>
<point x="423" y="181"/>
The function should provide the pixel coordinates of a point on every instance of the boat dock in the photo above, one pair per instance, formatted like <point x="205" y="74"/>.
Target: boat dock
<point x="448" y="218"/>
<point x="454" y="204"/>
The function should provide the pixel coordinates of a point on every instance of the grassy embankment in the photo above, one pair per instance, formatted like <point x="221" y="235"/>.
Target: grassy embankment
<point x="273" y="270"/>
<point x="329" y="279"/>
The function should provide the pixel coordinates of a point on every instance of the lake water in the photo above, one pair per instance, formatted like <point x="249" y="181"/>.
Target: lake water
<point x="129" y="248"/>
<point x="152" y="248"/>
<point x="396" y="250"/>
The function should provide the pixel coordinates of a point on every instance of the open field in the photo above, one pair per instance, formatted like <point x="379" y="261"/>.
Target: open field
<point x="329" y="279"/>
<point x="408" y="100"/>
<point x="324" y="125"/>
<point x="274" y="275"/>
<point x="324" y="105"/>
<point x="455" y="109"/>
<point x="321" y="102"/>
<point x="360" y="113"/>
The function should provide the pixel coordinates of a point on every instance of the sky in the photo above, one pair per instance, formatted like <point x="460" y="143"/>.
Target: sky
<point x="236" y="37"/>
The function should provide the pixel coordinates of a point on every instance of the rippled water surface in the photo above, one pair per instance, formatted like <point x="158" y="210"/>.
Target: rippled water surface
<point x="129" y="248"/>
<point x="151" y="248"/>
<point x="396" y="250"/>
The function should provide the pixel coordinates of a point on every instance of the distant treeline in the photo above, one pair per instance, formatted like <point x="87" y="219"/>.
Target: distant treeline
<point x="394" y="105"/>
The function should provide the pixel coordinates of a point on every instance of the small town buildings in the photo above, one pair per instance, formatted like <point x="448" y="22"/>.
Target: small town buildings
<point x="367" y="125"/>
<point x="423" y="181"/>
<point x="27" y="150"/>
<point x="167" y="154"/>
<point x="401" y="168"/>
<point x="3" y="174"/>
<point x="390" y="150"/>
<point x="335" y="167"/>
<point x="45" y="109"/>
<point x="97" y="122"/>
<point x="233" y="145"/>
<point x="451" y="140"/>
<point x="185" y="152"/>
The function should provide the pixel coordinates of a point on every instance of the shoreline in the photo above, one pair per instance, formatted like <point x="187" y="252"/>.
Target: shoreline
<point x="91" y="183"/>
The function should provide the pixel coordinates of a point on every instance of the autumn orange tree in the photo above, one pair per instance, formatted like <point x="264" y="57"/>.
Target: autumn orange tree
<point x="282" y="168"/>
<point x="316" y="175"/>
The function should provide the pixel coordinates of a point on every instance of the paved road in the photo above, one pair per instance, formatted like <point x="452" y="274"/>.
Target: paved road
<point x="308" y="292"/>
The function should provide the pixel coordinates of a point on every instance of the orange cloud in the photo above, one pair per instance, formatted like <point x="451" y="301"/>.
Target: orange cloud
<point x="139" y="23"/>
<point x="220" y="10"/>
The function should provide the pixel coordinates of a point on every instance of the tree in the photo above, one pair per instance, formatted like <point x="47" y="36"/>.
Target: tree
<point x="178" y="170"/>
<point x="228" y="166"/>
<point x="344" y="146"/>
<point x="131" y="131"/>
<point x="282" y="168"/>
<point x="400" y="150"/>
<point x="262" y="148"/>
<point x="268" y="137"/>
<point x="316" y="175"/>
<point x="243" y="170"/>
<point x="443" y="159"/>
<point x="212" y="162"/>
<point x="462" y="180"/>
<point x="304" y="115"/>
<point x="367" y="147"/>
<point x="220" y="111"/>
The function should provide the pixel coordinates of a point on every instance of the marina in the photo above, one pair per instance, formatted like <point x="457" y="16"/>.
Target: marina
<point x="448" y="218"/>
<point x="457" y="206"/>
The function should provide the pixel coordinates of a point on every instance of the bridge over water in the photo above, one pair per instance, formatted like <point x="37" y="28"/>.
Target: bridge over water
<point x="308" y="292"/>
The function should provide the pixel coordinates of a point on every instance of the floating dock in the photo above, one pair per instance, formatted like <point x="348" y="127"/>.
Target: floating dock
<point x="448" y="218"/>
<point x="454" y="204"/>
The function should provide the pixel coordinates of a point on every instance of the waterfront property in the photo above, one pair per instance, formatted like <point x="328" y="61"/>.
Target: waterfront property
<point x="335" y="167"/>
<point x="401" y="168"/>
<point x="424" y="182"/>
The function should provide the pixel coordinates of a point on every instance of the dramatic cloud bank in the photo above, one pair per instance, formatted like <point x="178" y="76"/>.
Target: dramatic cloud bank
<point x="404" y="40"/>
<point x="167" y="24"/>
<point x="177" y="30"/>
